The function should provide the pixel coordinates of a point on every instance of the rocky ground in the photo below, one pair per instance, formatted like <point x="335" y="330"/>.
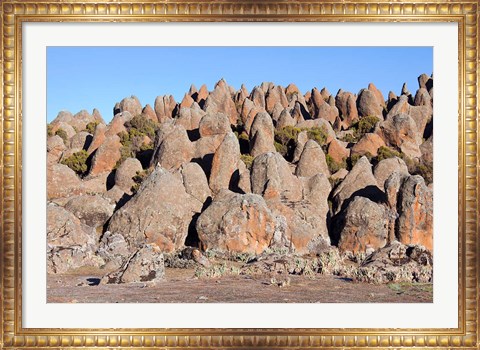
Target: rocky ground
<point x="314" y="189"/>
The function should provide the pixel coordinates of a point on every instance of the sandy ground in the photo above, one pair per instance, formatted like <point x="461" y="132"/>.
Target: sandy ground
<point x="181" y="287"/>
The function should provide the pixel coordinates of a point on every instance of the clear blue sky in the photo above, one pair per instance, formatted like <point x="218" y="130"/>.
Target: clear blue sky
<point x="98" y="77"/>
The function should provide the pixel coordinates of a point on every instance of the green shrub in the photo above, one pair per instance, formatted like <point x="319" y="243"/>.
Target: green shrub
<point x="282" y="149"/>
<point x="386" y="152"/>
<point x="366" y="125"/>
<point x="139" y="178"/>
<point x="318" y="134"/>
<point x="349" y="138"/>
<point x="286" y="138"/>
<point x="90" y="128"/>
<point x="355" y="157"/>
<point x="333" y="166"/>
<point x="287" y="135"/>
<point x="425" y="171"/>
<point x="143" y="126"/>
<point x="49" y="130"/>
<point x="63" y="134"/>
<point x="77" y="162"/>
<point x="247" y="159"/>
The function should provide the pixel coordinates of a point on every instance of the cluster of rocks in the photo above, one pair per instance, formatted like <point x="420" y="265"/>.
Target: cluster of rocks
<point x="212" y="177"/>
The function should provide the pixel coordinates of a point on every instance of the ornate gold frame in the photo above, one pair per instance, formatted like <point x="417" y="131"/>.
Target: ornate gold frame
<point x="15" y="12"/>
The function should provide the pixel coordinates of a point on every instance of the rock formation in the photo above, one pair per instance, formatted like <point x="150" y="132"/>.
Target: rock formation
<point x="241" y="172"/>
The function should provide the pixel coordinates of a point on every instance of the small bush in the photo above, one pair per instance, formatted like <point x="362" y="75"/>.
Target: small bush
<point x="355" y="157"/>
<point x="286" y="138"/>
<point x="139" y="178"/>
<point x="77" y="162"/>
<point x="247" y="159"/>
<point x="385" y="153"/>
<point x="143" y="126"/>
<point x="425" y="171"/>
<point x="349" y="138"/>
<point x="90" y="128"/>
<point x="63" y="134"/>
<point x="333" y="166"/>
<point x="49" y="130"/>
<point x="282" y="149"/>
<point x="366" y="125"/>
<point x="318" y="134"/>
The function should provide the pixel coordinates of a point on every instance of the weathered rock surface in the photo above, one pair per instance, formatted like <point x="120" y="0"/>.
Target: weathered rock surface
<point x="164" y="107"/>
<point x="144" y="265"/>
<point x="387" y="167"/>
<point x="220" y="101"/>
<point x="368" y="144"/>
<point x="62" y="182"/>
<point x="261" y="135"/>
<point x="174" y="149"/>
<point x="369" y="105"/>
<point x="70" y="244"/>
<point x="236" y="223"/>
<point x="106" y="156"/>
<point x="415" y="208"/>
<point x="312" y="161"/>
<point x="92" y="210"/>
<point x="126" y="172"/>
<point x="400" y="131"/>
<point x="224" y="163"/>
<point x="363" y="226"/>
<point x="359" y="182"/>
<point x="214" y="124"/>
<point x="397" y="263"/>
<point x="160" y="213"/>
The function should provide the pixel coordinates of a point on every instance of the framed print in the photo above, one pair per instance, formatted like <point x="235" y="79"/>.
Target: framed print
<point x="214" y="174"/>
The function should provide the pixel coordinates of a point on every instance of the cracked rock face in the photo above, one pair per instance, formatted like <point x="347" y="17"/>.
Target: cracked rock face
<point x="144" y="265"/>
<point x="138" y="221"/>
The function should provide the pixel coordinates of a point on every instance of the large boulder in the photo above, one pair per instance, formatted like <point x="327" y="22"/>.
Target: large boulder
<point x="338" y="150"/>
<point x="70" y="243"/>
<point x="164" y="107"/>
<point x="220" y="101"/>
<point x="415" y="209"/>
<point x="236" y="223"/>
<point x="299" y="204"/>
<point x="400" y="131"/>
<point x="225" y="163"/>
<point x="214" y="124"/>
<point x="149" y="113"/>
<point x="190" y="118"/>
<point x="275" y="94"/>
<point x="369" y="105"/>
<point x="174" y="149"/>
<point x="55" y="148"/>
<point x="262" y="135"/>
<point x="144" y="265"/>
<point x="387" y="167"/>
<point x="62" y="182"/>
<point x="312" y="161"/>
<point x="92" y="210"/>
<point x="368" y="144"/>
<point x="80" y="140"/>
<point x="196" y="184"/>
<point x="106" y="156"/>
<point x="359" y="182"/>
<point x="160" y="212"/>
<point x="130" y="104"/>
<point x="346" y="103"/>
<point x="98" y="138"/>
<point x="126" y="172"/>
<point x="362" y="226"/>
<point x="247" y="113"/>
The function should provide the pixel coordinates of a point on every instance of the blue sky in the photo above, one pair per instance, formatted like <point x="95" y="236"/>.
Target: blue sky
<point x="98" y="77"/>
